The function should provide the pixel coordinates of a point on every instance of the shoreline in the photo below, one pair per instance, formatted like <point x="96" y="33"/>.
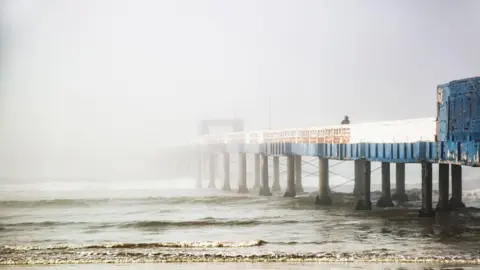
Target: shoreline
<point x="268" y="258"/>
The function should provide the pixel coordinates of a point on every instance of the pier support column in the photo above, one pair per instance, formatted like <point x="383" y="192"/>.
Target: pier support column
<point x="323" y="197"/>
<point x="443" y="204"/>
<point x="226" y="171"/>
<point x="400" y="195"/>
<point x="242" y="169"/>
<point x="290" y="192"/>
<point x="365" y="202"/>
<point x="427" y="209"/>
<point x="265" y="188"/>
<point x="456" y="201"/>
<point x="357" y="190"/>
<point x="386" y="198"/>
<point x="276" y="174"/>
<point x="211" y="170"/>
<point x="256" y="165"/>
<point x="199" y="171"/>
<point x="298" y="174"/>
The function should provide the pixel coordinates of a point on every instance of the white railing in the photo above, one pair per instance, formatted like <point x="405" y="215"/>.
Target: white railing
<point x="410" y="130"/>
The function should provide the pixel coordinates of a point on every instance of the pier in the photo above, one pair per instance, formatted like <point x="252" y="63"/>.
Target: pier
<point x="451" y="139"/>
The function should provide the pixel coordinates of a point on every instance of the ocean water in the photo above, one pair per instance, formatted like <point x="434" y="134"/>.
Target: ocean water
<point x="145" y="222"/>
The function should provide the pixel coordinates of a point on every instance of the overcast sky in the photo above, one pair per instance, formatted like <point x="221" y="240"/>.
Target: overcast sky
<point x="93" y="88"/>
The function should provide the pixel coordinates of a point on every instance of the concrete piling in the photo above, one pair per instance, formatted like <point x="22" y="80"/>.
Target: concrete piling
<point x="226" y="171"/>
<point x="290" y="192"/>
<point x="211" y="170"/>
<point x="400" y="194"/>
<point x="199" y="172"/>
<point x="427" y="209"/>
<point x="242" y="169"/>
<point x="386" y="198"/>
<point x="276" y="174"/>
<point x="298" y="174"/>
<point x="365" y="202"/>
<point x="456" y="201"/>
<point x="256" y="166"/>
<point x="357" y="190"/>
<point x="443" y="204"/>
<point x="323" y="197"/>
<point x="265" y="188"/>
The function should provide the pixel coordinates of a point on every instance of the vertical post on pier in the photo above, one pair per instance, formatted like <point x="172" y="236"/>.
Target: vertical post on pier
<point x="456" y="201"/>
<point x="242" y="170"/>
<point x="276" y="174"/>
<point x="257" y="171"/>
<point x="427" y="209"/>
<point x="359" y="183"/>
<point x="365" y="202"/>
<point x="290" y="192"/>
<point x="443" y="188"/>
<point x="199" y="170"/>
<point x="386" y="198"/>
<point x="211" y="170"/>
<point x="226" y="172"/>
<point x="323" y="197"/>
<point x="400" y="194"/>
<point x="265" y="188"/>
<point x="298" y="174"/>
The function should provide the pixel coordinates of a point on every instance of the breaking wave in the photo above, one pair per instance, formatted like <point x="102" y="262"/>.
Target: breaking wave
<point x="147" y="200"/>
<point x="145" y="224"/>
<point x="185" y="244"/>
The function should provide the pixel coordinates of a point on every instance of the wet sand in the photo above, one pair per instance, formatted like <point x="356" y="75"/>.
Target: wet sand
<point x="245" y="266"/>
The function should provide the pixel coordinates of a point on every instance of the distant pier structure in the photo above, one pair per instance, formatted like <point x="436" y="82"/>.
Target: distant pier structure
<point x="451" y="139"/>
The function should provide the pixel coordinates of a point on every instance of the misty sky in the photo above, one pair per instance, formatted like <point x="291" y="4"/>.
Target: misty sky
<point x="93" y="88"/>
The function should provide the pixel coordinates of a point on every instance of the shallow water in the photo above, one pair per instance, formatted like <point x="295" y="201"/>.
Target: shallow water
<point x="57" y="225"/>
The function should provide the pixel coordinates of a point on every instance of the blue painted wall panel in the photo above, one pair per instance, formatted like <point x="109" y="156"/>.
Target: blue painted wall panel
<point x="287" y="149"/>
<point x="395" y="152"/>
<point x="470" y="153"/>
<point x="402" y="151"/>
<point x="451" y="152"/>
<point x="458" y="110"/>
<point x="322" y="150"/>
<point x="387" y="151"/>
<point x="348" y="151"/>
<point x="313" y="149"/>
<point x="381" y="151"/>
<point x="419" y="151"/>
<point x="465" y="153"/>
<point x="409" y="152"/>
<point x="299" y="149"/>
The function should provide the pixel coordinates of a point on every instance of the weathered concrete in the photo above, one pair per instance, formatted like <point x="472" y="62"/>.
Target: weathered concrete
<point x="324" y="197"/>
<point x="443" y="204"/>
<point x="211" y="170"/>
<point x="359" y="184"/>
<point x="256" y="162"/>
<point x="427" y="209"/>
<point x="226" y="171"/>
<point x="298" y="174"/>
<point x="265" y="188"/>
<point x="386" y="199"/>
<point x="242" y="170"/>
<point x="365" y="202"/>
<point x="276" y="174"/>
<point x="290" y="192"/>
<point x="456" y="201"/>
<point x="400" y="195"/>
